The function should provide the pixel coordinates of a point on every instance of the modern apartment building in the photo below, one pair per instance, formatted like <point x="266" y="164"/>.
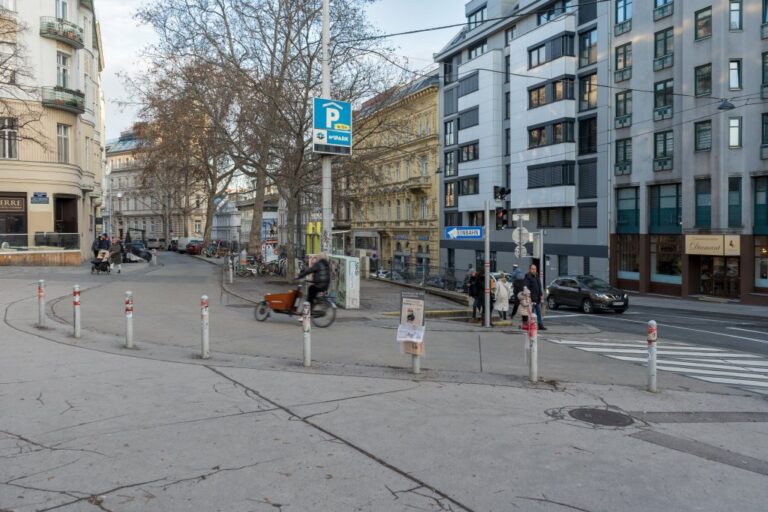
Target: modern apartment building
<point x="391" y="212"/>
<point x="690" y="147"/>
<point x="51" y="131"/>
<point x="521" y="109"/>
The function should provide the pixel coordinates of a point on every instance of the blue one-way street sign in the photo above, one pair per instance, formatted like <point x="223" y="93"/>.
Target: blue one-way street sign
<point x="332" y="127"/>
<point x="464" y="232"/>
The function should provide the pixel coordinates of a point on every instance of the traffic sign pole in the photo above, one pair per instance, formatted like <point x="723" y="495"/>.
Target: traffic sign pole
<point x="487" y="266"/>
<point x="327" y="218"/>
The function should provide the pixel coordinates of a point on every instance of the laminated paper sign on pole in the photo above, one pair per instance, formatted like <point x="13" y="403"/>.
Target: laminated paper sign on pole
<point x="410" y="332"/>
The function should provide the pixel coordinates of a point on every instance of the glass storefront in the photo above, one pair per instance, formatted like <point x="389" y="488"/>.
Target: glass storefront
<point x="761" y="261"/>
<point x="666" y="259"/>
<point x="720" y="276"/>
<point x="629" y="257"/>
<point x="13" y="220"/>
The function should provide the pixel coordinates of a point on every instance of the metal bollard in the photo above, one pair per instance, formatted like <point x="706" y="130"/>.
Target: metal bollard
<point x="154" y="257"/>
<point x="76" y="310"/>
<point x="652" y="337"/>
<point x="41" y="303"/>
<point x="306" y="324"/>
<point x="205" y="352"/>
<point x="415" y="363"/>
<point x="533" y="335"/>
<point x="231" y="266"/>
<point x="128" y="319"/>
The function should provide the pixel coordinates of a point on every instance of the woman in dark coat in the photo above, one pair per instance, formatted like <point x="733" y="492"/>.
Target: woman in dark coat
<point x="117" y="254"/>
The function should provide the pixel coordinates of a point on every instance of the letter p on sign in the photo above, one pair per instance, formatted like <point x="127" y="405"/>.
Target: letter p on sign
<point x="331" y="116"/>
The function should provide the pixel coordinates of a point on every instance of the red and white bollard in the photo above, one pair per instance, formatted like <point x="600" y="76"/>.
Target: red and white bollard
<point x="41" y="303"/>
<point x="306" y="324"/>
<point x="533" y="351"/>
<point x="128" y="319"/>
<point x="653" y="335"/>
<point x="205" y="352"/>
<point x="76" y="310"/>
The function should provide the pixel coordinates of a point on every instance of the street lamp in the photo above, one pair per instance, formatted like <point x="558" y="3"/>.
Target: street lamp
<point x="725" y="105"/>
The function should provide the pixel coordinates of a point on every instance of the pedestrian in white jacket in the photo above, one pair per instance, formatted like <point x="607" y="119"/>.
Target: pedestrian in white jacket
<point x="502" y="297"/>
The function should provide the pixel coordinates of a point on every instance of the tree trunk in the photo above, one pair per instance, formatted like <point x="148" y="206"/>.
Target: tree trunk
<point x="290" y="246"/>
<point x="254" y="241"/>
<point x="210" y="210"/>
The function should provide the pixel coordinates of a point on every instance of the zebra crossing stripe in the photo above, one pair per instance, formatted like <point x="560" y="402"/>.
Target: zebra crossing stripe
<point x="693" y="371"/>
<point x="661" y="352"/>
<point x="686" y="363"/>
<point x="637" y="345"/>
<point x="740" y="382"/>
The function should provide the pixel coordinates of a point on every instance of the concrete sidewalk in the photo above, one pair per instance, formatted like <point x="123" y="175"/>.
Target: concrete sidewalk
<point x="88" y="430"/>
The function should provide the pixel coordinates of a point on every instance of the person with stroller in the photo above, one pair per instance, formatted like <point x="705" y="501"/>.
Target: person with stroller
<point x="101" y="263"/>
<point x="321" y="272"/>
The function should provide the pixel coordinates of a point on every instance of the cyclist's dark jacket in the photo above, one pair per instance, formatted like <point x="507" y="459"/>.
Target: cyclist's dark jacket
<point x="322" y="274"/>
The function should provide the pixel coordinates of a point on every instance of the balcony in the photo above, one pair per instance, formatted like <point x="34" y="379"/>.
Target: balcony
<point x="764" y="92"/>
<point x="764" y="31"/>
<point x="664" y="62"/>
<point x="622" y="121"/>
<point x="764" y="152"/>
<point x="662" y="164"/>
<point x="622" y="168"/>
<point x="417" y="183"/>
<point x="663" y="11"/>
<point x="88" y="4"/>
<point x="661" y="113"/>
<point x="622" y="28"/>
<point x="63" y="99"/>
<point x="622" y="74"/>
<point x="62" y="30"/>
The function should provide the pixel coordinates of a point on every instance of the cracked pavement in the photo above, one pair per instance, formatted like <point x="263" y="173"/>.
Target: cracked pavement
<point x="82" y="429"/>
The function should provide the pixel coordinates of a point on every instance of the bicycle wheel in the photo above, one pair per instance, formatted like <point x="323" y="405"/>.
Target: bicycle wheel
<point x="261" y="312"/>
<point x="323" y="312"/>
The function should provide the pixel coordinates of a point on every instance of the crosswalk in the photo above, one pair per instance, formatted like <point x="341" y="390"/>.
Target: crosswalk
<point x="746" y="371"/>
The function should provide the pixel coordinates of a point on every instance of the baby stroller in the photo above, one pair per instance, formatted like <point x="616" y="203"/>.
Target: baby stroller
<point x="102" y="263"/>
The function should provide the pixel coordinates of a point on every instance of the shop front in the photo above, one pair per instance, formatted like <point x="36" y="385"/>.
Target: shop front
<point x="714" y="265"/>
<point x="13" y="220"/>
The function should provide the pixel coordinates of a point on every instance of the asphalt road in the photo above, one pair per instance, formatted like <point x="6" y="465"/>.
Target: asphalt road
<point x="743" y="333"/>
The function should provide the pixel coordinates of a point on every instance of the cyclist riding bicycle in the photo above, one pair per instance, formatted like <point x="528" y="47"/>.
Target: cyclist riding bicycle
<point x="321" y="279"/>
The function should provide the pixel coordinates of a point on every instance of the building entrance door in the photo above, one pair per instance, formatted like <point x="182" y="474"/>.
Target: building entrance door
<point x="720" y="276"/>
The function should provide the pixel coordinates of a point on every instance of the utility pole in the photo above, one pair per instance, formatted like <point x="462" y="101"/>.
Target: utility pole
<point x="327" y="219"/>
<point x="487" y="267"/>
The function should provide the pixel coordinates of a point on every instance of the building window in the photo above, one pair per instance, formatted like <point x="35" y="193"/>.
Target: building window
<point x="554" y="218"/>
<point x="588" y="92"/>
<point x="765" y="130"/>
<point x="734" y="132"/>
<point x="665" y="208"/>
<point x="562" y="132"/>
<point x="450" y="164"/>
<point x="476" y="218"/>
<point x="703" y="80"/>
<point x="507" y="104"/>
<point x="663" y="94"/>
<point x="623" y="10"/>
<point x="453" y="219"/>
<point x="9" y="138"/>
<point x="537" y="56"/>
<point x="507" y="141"/>
<point x="761" y="261"/>
<point x="537" y="97"/>
<point x="588" y="48"/>
<point x="587" y="179"/>
<point x="628" y="251"/>
<point x="198" y="226"/>
<point x="624" y="152"/>
<point x="469" y="152"/>
<point x="761" y="206"/>
<point x="588" y="136"/>
<point x="550" y="175"/>
<point x="468" y="118"/>
<point x="734" y="202"/>
<point x="663" y="144"/>
<point x="588" y="215"/>
<point x="477" y="18"/>
<point x="562" y="89"/>
<point x="448" y="76"/>
<point x="765" y="11"/>
<point x="628" y="210"/>
<point x="467" y="85"/>
<point x="61" y="9"/>
<point x="62" y="70"/>
<point x="537" y="137"/>
<point x="469" y="186"/>
<point x="398" y="215"/>
<point x="450" y="195"/>
<point x="765" y="64"/>
<point x="624" y="56"/>
<point x="450" y="134"/>
<point x="478" y="49"/>
<point x="666" y="259"/>
<point x="509" y="34"/>
<point x="664" y="42"/>
<point x="8" y="5"/>
<point x="623" y="103"/>
<point x="507" y="68"/>
<point x="703" y="203"/>
<point x="734" y="74"/>
<point x="62" y="143"/>
<point x="734" y="15"/>
<point x="423" y="166"/>
<point x="703" y="136"/>
<point x="703" y="24"/>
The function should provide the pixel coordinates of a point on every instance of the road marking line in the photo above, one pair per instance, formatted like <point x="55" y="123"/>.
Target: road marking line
<point x="615" y="344"/>
<point x="747" y="330"/>
<point x="719" y="380"/>
<point x="555" y="316"/>
<point x="749" y="363"/>
<point x="663" y="352"/>
<point x="690" y="329"/>
<point x="685" y="363"/>
<point x="693" y="371"/>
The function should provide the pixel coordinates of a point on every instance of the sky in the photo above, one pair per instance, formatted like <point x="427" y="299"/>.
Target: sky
<point x="124" y="39"/>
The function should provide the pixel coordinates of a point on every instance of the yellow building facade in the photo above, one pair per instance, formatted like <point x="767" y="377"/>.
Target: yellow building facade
<point x="392" y="212"/>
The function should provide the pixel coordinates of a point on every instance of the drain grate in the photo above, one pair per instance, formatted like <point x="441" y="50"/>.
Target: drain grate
<point x="601" y="417"/>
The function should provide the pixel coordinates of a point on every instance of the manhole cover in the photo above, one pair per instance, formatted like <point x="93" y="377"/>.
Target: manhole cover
<point x="601" y="417"/>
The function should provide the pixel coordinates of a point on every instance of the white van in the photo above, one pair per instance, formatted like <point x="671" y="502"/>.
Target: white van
<point x="183" y="241"/>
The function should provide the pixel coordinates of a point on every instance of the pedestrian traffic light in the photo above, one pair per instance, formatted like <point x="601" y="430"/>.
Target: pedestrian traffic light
<point x="502" y="218"/>
<point x="499" y="193"/>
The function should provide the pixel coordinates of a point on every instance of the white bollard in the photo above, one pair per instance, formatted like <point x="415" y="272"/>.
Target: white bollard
<point x="306" y="324"/>
<point x="415" y="363"/>
<point x="533" y="335"/>
<point x="76" y="310"/>
<point x="128" y="319"/>
<point x="231" y="266"/>
<point x="205" y="352"/>
<point x="41" y="303"/>
<point x="652" y="337"/>
<point x="154" y="257"/>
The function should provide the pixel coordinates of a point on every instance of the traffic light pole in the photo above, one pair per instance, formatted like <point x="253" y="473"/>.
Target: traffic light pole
<point x="487" y="266"/>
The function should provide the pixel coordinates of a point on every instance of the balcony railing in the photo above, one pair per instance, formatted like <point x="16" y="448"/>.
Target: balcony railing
<point x="764" y="152"/>
<point x="622" y="74"/>
<point x="664" y="62"/>
<point x="63" y="99"/>
<point x="764" y="92"/>
<point x="628" y="221"/>
<point x="662" y="164"/>
<point x="764" y="31"/>
<point x="418" y="182"/>
<point x="663" y="11"/>
<point x="622" y="28"/>
<point x="39" y="241"/>
<point x="62" y="30"/>
<point x="623" y="121"/>
<point x="661" y="113"/>
<point x="88" y="4"/>
<point x="622" y="168"/>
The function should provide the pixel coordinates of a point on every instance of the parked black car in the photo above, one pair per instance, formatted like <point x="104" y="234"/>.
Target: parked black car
<point x="139" y="249"/>
<point x="587" y="293"/>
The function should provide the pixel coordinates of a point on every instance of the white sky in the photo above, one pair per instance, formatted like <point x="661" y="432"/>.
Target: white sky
<point x="123" y="41"/>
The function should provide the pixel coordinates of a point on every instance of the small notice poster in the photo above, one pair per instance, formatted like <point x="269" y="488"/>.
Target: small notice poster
<point x="410" y="332"/>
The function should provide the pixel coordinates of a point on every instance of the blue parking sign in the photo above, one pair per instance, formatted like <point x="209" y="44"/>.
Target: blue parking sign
<point x="332" y="127"/>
